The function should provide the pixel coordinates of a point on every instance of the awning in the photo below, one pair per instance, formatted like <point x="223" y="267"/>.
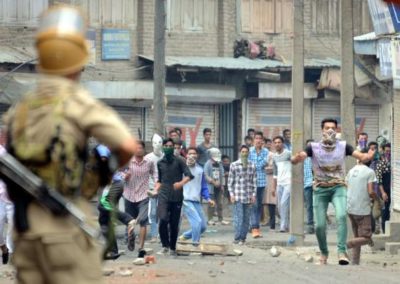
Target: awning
<point x="284" y="91"/>
<point x="241" y="63"/>
<point x="139" y="92"/>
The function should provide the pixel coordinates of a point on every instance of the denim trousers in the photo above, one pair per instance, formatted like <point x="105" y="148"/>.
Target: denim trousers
<point x="338" y="196"/>
<point x="308" y="200"/>
<point x="257" y="208"/>
<point x="193" y="211"/>
<point x="241" y="220"/>
<point x="153" y="217"/>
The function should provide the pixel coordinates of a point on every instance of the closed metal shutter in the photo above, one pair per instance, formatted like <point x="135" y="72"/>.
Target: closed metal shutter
<point x="396" y="152"/>
<point x="269" y="116"/>
<point x="367" y="117"/>
<point x="191" y="118"/>
<point x="133" y="117"/>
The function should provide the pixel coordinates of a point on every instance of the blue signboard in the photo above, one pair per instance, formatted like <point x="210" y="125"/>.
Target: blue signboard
<point x="115" y="44"/>
<point x="394" y="10"/>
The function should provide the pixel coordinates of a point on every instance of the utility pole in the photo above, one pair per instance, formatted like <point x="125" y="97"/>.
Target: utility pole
<point x="347" y="109"/>
<point x="159" y="74"/>
<point x="296" y="196"/>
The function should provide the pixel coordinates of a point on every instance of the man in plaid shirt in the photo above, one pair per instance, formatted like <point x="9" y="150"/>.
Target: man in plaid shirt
<point x="242" y="185"/>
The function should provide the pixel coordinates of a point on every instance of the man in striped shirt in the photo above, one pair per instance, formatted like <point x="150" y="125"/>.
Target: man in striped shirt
<point x="135" y="191"/>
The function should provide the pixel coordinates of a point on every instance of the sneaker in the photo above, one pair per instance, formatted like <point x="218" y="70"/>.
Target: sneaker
<point x="210" y="223"/>
<point x="242" y="242"/>
<point x="217" y="223"/>
<point x="141" y="253"/>
<point x="173" y="253"/>
<point x="153" y="240"/>
<point x="163" y="251"/>
<point x="343" y="259"/>
<point x="111" y="256"/>
<point x="236" y="242"/>
<point x="183" y="238"/>
<point x="223" y="222"/>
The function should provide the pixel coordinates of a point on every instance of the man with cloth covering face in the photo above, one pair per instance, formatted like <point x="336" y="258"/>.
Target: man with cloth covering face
<point x="328" y="159"/>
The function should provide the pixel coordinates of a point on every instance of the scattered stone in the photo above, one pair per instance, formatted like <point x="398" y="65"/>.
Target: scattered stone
<point x="222" y="263"/>
<point x="384" y="264"/>
<point x="190" y="263"/>
<point x="125" y="273"/>
<point x="139" y="261"/>
<point x="308" y="258"/>
<point x="251" y="262"/>
<point x="238" y="252"/>
<point x="108" y="271"/>
<point x="275" y="252"/>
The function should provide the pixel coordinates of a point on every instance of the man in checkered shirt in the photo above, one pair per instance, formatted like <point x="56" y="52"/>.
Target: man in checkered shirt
<point x="242" y="185"/>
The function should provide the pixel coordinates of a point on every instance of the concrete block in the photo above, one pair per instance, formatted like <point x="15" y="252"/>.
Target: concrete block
<point x="393" y="230"/>
<point x="392" y="247"/>
<point x="380" y="241"/>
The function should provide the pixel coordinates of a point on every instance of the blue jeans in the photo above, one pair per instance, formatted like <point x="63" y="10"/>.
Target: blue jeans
<point x="194" y="213"/>
<point x="241" y="220"/>
<point x="153" y="217"/>
<point x="338" y="196"/>
<point x="308" y="200"/>
<point x="257" y="209"/>
<point x="284" y="205"/>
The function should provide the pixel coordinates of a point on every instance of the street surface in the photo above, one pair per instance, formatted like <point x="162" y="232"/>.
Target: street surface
<point x="255" y="266"/>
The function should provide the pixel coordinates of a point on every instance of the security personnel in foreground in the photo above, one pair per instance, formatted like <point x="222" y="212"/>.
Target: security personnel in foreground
<point x="48" y="131"/>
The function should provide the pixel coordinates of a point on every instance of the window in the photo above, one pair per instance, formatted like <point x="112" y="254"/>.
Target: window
<point x="21" y="12"/>
<point x="110" y="13"/>
<point x="326" y="16"/>
<point x="362" y="18"/>
<point x="266" y="16"/>
<point x="192" y="15"/>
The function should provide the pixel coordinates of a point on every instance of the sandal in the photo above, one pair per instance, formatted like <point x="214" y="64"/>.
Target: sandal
<point x="323" y="260"/>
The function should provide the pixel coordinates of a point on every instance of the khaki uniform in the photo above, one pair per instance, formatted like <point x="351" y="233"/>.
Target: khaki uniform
<point x="54" y="250"/>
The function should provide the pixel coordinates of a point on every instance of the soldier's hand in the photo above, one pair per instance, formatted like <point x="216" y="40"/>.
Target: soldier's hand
<point x="232" y="199"/>
<point x="211" y="202"/>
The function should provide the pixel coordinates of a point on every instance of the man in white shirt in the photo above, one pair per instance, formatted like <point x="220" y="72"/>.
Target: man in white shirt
<point x="282" y="172"/>
<point x="360" y="181"/>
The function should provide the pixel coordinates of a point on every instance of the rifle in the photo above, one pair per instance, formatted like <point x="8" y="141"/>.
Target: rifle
<point x="23" y="182"/>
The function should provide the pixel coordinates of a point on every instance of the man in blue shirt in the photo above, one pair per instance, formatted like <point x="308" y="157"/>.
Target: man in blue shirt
<point x="308" y="192"/>
<point x="192" y="193"/>
<point x="259" y="157"/>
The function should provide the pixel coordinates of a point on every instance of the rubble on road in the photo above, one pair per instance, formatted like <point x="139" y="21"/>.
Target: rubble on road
<point x="206" y="249"/>
<point x="108" y="271"/>
<point x="275" y="251"/>
<point x="125" y="272"/>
